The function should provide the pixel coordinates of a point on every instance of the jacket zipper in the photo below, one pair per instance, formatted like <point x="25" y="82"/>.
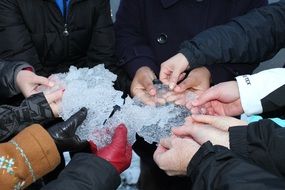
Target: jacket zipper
<point x="65" y="31"/>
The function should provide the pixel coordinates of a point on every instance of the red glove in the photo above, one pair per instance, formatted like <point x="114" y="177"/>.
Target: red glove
<point x="119" y="152"/>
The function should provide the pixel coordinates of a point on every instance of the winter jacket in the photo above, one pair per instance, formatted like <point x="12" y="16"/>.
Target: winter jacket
<point x="36" y="32"/>
<point x="34" y="109"/>
<point x="148" y="32"/>
<point x="27" y="157"/>
<point x="86" y="172"/>
<point x="251" y="38"/>
<point x="255" y="161"/>
<point x="263" y="92"/>
<point x="8" y="74"/>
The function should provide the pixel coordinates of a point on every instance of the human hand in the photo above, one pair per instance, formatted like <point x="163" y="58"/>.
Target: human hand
<point x="202" y="133"/>
<point x="219" y="122"/>
<point x="28" y="81"/>
<point x="142" y="87"/>
<point x="198" y="81"/>
<point x="64" y="133"/>
<point x="203" y="128"/>
<point x="173" y="154"/>
<point x="53" y="99"/>
<point x="119" y="152"/>
<point x="172" y="69"/>
<point x="221" y="99"/>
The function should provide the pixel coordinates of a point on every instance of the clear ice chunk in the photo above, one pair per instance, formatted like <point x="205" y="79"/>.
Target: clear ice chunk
<point x="93" y="89"/>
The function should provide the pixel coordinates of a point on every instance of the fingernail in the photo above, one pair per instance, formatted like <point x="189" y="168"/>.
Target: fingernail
<point x="51" y="84"/>
<point x="171" y="86"/>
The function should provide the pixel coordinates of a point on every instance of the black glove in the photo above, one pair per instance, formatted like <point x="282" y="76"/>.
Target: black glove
<point x="64" y="133"/>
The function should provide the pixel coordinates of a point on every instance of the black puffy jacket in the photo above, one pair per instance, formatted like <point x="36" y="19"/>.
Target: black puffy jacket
<point x="35" y="31"/>
<point x="86" y="172"/>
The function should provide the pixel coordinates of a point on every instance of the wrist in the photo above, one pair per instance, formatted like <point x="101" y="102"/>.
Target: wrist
<point x="146" y="71"/>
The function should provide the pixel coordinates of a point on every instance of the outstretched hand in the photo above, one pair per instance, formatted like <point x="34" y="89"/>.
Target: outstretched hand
<point x="143" y="88"/>
<point x="221" y="99"/>
<point x="28" y="81"/>
<point x="119" y="152"/>
<point x="172" y="69"/>
<point x="64" y="133"/>
<point x="173" y="154"/>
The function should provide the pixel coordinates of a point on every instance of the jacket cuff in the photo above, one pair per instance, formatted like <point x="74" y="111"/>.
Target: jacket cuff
<point x="38" y="151"/>
<point x="205" y="151"/>
<point x="192" y="55"/>
<point x="250" y="101"/>
<point x="35" y="109"/>
<point x="238" y="140"/>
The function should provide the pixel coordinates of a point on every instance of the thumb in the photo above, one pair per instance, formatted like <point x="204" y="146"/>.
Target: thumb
<point x="77" y="119"/>
<point x="120" y="137"/>
<point x="189" y="82"/>
<point x="218" y="122"/>
<point x="174" y="79"/>
<point x="54" y="96"/>
<point x="39" y="80"/>
<point x="207" y="119"/>
<point x="148" y="85"/>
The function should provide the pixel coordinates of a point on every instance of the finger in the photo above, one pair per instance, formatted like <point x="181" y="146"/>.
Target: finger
<point x="160" y="150"/>
<point x="189" y="120"/>
<point x="144" y="97"/>
<point x="182" y="131"/>
<point x="166" y="143"/>
<point x="160" y="101"/>
<point x="147" y="100"/>
<point x="174" y="97"/>
<point x="54" y="96"/>
<point x="164" y="75"/>
<point x="209" y="95"/>
<point x="180" y="101"/>
<point x="120" y="138"/>
<point x="78" y="118"/>
<point x="181" y="77"/>
<point x="149" y="87"/>
<point x="195" y="110"/>
<point x="174" y="77"/>
<point x="39" y="80"/>
<point x="207" y="119"/>
<point x="187" y="83"/>
<point x="215" y="121"/>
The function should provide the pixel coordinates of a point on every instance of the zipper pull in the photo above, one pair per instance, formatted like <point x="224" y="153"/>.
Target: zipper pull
<point x="65" y="32"/>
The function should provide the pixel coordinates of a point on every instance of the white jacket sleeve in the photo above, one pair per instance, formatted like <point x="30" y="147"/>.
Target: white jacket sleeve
<point x="253" y="88"/>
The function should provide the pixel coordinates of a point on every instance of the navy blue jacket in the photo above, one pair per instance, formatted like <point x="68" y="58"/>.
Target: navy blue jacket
<point x="149" y="32"/>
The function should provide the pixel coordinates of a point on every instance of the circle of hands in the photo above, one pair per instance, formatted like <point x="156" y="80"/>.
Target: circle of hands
<point x="211" y="108"/>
